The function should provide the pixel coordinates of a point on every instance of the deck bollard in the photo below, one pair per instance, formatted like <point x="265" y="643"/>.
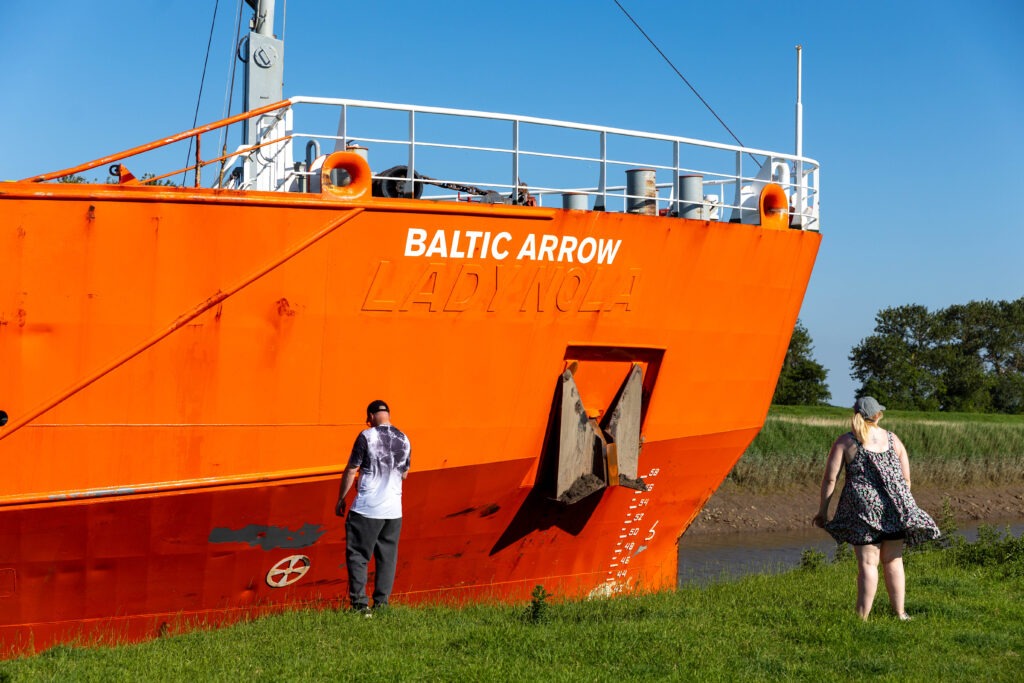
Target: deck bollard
<point x="691" y="196"/>
<point x="641" y="191"/>
<point x="577" y="201"/>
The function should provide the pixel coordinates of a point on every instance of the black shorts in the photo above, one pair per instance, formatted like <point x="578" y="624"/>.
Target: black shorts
<point x="893" y="536"/>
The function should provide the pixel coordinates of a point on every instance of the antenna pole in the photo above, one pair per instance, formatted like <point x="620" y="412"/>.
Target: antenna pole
<point x="263" y="18"/>
<point x="799" y="103"/>
<point x="801" y="187"/>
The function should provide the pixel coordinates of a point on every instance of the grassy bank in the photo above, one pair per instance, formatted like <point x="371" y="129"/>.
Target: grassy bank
<point x="968" y="604"/>
<point x="945" y="448"/>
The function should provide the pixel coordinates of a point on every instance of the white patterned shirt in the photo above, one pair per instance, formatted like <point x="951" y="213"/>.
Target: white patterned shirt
<point x="382" y="454"/>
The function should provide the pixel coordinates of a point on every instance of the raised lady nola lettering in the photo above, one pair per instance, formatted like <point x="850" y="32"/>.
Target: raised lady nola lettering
<point x="455" y="287"/>
<point x="481" y="244"/>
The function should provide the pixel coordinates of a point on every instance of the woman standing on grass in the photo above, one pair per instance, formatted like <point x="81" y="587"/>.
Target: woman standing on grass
<point x="876" y="512"/>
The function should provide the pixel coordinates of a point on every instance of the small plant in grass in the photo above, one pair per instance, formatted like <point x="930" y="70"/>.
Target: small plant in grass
<point x="811" y="559"/>
<point x="947" y="520"/>
<point x="844" y="553"/>
<point x="537" y="612"/>
<point x="948" y="528"/>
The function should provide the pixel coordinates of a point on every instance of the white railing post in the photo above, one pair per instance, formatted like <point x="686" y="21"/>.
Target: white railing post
<point x="342" y="141"/>
<point x="738" y="202"/>
<point x="675" y="196"/>
<point x="410" y="172"/>
<point x="515" y="160"/>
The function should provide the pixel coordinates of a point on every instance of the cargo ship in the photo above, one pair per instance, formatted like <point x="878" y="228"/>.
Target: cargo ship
<point x="579" y="327"/>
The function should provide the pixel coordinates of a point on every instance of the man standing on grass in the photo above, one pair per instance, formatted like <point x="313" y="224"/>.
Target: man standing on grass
<point x="381" y="458"/>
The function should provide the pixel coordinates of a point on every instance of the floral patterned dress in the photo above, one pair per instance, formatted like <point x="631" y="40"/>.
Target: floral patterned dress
<point x="876" y="504"/>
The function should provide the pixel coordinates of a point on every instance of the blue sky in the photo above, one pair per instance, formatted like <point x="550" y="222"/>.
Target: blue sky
<point x="914" y="109"/>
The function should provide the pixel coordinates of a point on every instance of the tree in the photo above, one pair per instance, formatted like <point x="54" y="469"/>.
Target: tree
<point x="802" y="380"/>
<point x="966" y="382"/>
<point x="967" y="357"/>
<point x="998" y="334"/>
<point x="896" y="365"/>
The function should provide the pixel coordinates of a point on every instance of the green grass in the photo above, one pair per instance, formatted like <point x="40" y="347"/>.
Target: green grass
<point x="944" y="448"/>
<point x="968" y="603"/>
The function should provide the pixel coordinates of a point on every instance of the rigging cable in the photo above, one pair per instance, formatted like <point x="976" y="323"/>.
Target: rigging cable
<point x="229" y="95"/>
<point x="202" y="82"/>
<point x="669" y="61"/>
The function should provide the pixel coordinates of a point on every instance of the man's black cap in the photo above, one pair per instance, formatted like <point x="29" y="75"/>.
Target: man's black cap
<point x="376" y="407"/>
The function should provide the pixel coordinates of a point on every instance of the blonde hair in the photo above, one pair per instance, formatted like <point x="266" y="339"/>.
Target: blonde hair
<point x="861" y="427"/>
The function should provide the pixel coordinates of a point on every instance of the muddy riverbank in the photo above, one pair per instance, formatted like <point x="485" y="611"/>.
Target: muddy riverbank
<point x="734" y="509"/>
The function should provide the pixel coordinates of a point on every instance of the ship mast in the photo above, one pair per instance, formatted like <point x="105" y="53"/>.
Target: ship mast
<point x="801" y="183"/>
<point x="264" y="71"/>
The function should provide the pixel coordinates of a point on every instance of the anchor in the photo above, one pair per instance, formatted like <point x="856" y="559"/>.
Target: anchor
<point x="593" y="455"/>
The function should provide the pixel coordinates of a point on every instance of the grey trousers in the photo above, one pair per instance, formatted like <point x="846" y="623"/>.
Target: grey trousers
<point x="365" y="536"/>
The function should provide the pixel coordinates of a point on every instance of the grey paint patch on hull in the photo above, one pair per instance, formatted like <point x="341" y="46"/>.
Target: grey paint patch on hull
<point x="269" y="537"/>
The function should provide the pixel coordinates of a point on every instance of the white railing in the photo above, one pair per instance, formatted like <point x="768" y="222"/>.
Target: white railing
<point x="480" y="156"/>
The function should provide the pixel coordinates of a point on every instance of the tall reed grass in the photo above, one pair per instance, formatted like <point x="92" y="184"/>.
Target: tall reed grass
<point x="945" y="449"/>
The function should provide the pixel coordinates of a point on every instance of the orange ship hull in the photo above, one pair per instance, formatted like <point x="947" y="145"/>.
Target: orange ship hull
<point x="185" y="371"/>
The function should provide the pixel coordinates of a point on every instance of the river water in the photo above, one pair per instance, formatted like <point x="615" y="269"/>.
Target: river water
<point x="706" y="558"/>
